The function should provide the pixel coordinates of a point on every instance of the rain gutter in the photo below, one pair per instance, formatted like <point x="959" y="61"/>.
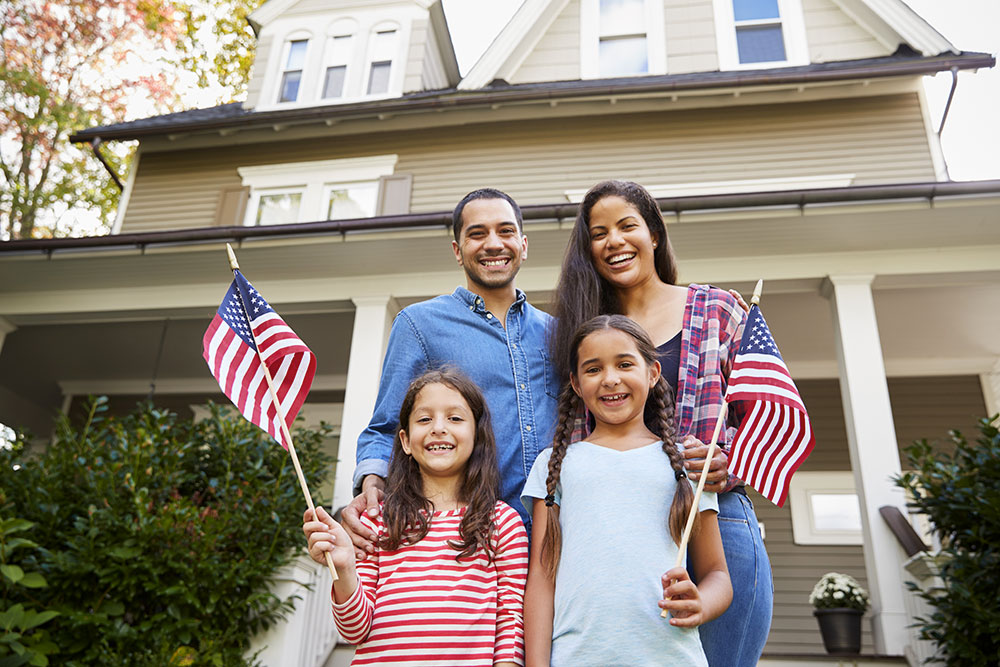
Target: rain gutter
<point x="541" y="213"/>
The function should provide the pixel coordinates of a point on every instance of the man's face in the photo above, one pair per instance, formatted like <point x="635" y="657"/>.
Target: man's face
<point x="490" y="246"/>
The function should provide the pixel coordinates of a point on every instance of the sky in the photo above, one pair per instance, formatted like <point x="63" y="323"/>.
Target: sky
<point x="971" y="137"/>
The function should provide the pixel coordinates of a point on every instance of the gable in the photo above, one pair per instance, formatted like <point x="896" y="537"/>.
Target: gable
<point x="547" y="40"/>
<point x="833" y="35"/>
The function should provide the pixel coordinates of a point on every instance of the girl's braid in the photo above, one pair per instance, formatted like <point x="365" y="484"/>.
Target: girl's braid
<point x="552" y="542"/>
<point x="664" y="422"/>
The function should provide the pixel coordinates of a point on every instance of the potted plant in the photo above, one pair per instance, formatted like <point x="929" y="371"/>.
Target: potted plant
<point x="839" y="603"/>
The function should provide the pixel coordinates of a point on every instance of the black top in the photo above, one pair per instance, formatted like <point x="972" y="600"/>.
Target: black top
<point x="669" y="355"/>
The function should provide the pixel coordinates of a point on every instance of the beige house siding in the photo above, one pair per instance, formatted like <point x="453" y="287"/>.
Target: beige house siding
<point x="833" y="35"/>
<point x="690" y="36"/>
<point x="879" y="139"/>
<point x="556" y="57"/>
<point x="922" y="408"/>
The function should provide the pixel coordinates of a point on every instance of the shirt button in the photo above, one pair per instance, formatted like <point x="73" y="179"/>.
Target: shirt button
<point x="522" y="385"/>
<point x="471" y="308"/>
<point x="489" y="316"/>
<point x="515" y="346"/>
<point x="528" y="428"/>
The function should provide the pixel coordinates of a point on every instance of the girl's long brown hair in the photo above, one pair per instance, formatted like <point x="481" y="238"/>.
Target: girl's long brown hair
<point x="658" y="416"/>
<point x="406" y="512"/>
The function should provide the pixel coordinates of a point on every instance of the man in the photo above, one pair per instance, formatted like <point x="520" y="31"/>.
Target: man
<point x="489" y="331"/>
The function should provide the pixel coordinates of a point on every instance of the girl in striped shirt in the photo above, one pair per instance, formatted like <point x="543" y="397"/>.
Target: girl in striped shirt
<point x="445" y="585"/>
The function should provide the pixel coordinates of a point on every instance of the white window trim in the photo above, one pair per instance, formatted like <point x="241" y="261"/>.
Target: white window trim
<point x="737" y="187"/>
<point x="805" y="484"/>
<point x="295" y="36"/>
<point x="590" y="34"/>
<point x="793" y="30"/>
<point x="312" y="179"/>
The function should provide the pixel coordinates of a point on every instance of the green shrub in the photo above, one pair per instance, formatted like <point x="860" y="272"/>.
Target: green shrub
<point x="159" y="535"/>
<point x="23" y="640"/>
<point x="960" y="493"/>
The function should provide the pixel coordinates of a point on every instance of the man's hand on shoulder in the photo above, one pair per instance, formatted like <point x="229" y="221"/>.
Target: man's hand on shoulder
<point x="368" y="501"/>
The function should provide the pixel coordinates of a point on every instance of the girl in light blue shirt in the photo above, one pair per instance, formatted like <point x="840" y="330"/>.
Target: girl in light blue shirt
<point x="608" y="514"/>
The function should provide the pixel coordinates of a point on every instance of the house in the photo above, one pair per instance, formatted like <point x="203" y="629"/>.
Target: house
<point x="788" y="140"/>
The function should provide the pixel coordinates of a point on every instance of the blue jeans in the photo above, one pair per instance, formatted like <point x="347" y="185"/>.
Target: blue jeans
<point x="737" y="638"/>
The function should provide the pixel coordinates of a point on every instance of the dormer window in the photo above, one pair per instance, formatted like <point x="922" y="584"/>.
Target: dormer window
<point x="291" y="74"/>
<point x="382" y="50"/>
<point x="760" y="33"/>
<point x="337" y="60"/>
<point x="621" y="38"/>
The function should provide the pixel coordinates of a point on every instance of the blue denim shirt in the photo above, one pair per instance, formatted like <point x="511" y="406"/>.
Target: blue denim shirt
<point x="511" y="367"/>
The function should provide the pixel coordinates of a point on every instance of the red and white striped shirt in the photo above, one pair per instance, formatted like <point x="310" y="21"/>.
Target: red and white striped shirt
<point x="417" y="605"/>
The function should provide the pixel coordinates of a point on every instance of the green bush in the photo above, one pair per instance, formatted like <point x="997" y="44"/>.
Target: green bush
<point x="24" y="641"/>
<point x="960" y="493"/>
<point x="158" y="536"/>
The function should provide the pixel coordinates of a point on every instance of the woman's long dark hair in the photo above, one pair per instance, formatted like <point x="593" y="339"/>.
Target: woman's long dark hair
<point x="406" y="512"/>
<point x="658" y="416"/>
<point x="581" y="293"/>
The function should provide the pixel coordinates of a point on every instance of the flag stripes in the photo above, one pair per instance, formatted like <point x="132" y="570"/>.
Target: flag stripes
<point x="775" y="436"/>
<point x="234" y="358"/>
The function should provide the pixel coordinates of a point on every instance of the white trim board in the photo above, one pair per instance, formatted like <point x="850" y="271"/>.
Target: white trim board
<point x="738" y="186"/>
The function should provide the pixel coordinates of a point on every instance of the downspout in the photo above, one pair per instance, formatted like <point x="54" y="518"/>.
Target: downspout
<point x="951" y="96"/>
<point x="95" y="145"/>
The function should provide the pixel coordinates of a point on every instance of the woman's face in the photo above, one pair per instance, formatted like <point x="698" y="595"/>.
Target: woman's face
<point x="621" y="245"/>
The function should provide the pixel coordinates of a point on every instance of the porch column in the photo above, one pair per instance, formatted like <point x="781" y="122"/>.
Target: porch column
<point x="5" y="328"/>
<point x="990" y="381"/>
<point x="372" y="320"/>
<point x="871" y="437"/>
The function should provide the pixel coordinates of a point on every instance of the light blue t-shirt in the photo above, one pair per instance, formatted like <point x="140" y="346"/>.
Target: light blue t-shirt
<point x="613" y="510"/>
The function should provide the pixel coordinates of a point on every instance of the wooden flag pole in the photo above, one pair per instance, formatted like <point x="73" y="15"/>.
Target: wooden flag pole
<point x="234" y="265"/>
<point x="686" y="535"/>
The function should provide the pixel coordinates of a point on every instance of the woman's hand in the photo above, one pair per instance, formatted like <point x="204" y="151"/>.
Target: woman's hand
<point x="326" y="535"/>
<point x="681" y="599"/>
<point x="739" y="299"/>
<point x="694" y="460"/>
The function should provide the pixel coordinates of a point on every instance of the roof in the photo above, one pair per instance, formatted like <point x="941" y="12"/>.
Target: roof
<point x="234" y="116"/>
<point x="802" y="199"/>
<point x="892" y="22"/>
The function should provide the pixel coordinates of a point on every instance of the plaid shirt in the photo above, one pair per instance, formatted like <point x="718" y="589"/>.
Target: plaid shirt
<point x="710" y="338"/>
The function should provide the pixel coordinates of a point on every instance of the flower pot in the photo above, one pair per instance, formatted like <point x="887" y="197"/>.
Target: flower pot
<point x="841" y="630"/>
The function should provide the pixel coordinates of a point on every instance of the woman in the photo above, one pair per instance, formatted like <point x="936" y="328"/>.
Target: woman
<point x="619" y="260"/>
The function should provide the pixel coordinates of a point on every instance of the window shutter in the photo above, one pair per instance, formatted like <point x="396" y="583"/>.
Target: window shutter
<point x="394" y="194"/>
<point x="232" y="206"/>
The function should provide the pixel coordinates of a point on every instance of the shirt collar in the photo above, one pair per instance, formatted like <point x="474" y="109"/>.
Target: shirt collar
<point x="476" y="302"/>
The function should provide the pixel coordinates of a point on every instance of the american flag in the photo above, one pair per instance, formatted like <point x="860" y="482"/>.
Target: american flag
<point x="775" y="436"/>
<point x="229" y="349"/>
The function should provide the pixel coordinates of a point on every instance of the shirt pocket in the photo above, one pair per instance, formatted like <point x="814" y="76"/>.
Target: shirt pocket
<point x="549" y="378"/>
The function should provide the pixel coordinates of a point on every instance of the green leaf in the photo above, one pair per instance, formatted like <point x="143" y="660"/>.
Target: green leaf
<point x="12" y="572"/>
<point x="15" y="543"/>
<point x="9" y="526"/>
<point x="14" y="660"/>
<point x="33" y="580"/>
<point x="32" y="619"/>
<point x="113" y="608"/>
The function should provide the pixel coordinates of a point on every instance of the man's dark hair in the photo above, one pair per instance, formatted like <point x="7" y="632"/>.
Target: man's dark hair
<point x="483" y="193"/>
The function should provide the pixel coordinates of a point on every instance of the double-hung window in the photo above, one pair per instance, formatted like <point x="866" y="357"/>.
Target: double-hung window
<point x="291" y="74"/>
<point x="382" y="51"/>
<point x="335" y="73"/>
<point x="760" y="33"/>
<point x="621" y="38"/>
